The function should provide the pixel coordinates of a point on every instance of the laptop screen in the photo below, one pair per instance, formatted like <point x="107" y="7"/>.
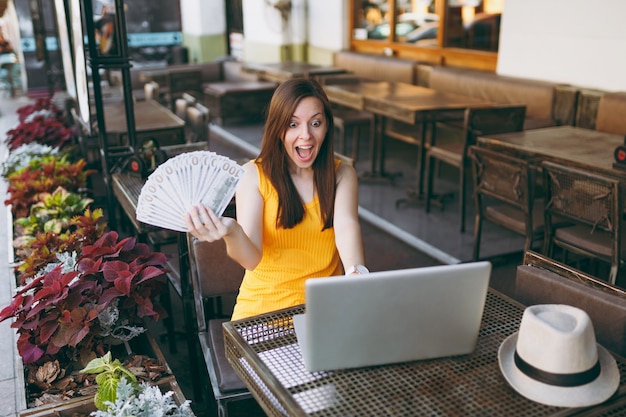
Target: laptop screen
<point x="392" y="316"/>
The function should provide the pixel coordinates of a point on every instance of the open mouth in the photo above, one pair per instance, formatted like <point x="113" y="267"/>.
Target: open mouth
<point x="304" y="152"/>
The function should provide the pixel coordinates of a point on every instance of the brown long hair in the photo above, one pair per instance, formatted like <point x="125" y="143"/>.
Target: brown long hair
<point x="274" y="160"/>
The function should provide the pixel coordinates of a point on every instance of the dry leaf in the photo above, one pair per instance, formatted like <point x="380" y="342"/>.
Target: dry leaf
<point x="48" y="372"/>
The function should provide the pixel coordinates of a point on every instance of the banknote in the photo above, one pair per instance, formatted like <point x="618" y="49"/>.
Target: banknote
<point x="184" y="181"/>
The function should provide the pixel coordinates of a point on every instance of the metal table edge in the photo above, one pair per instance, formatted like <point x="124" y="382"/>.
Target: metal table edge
<point x="272" y="383"/>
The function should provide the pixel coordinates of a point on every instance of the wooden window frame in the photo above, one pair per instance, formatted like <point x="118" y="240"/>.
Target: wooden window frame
<point x="440" y="55"/>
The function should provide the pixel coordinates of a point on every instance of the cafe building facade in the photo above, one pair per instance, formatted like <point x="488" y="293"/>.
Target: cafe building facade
<point x="559" y="41"/>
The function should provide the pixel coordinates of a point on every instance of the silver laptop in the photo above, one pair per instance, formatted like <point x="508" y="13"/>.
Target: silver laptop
<point x="392" y="316"/>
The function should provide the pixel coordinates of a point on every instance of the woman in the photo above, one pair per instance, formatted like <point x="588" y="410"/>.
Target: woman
<point x="290" y="202"/>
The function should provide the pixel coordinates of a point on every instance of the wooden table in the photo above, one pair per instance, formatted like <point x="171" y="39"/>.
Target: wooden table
<point x="159" y="75"/>
<point x="263" y="351"/>
<point x="152" y="120"/>
<point x="162" y="75"/>
<point x="238" y="101"/>
<point x="574" y="146"/>
<point x="407" y="103"/>
<point x="282" y="71"/>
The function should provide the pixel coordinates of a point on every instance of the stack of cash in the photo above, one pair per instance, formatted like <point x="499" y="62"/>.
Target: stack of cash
<point x="186" y="180"/>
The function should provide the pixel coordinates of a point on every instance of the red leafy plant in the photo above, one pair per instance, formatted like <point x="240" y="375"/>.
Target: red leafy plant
<point x="41" y="249"/>
<point x="44" y="175"/>
<point x="41" y="104"/>
<point x="73" y="311"/>
<point x="40" y="129"/>
<point x="42" y="122"/>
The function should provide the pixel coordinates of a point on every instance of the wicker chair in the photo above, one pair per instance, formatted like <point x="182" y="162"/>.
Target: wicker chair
<point x="504" y="195"/>
<point x="477" y="121"/>
<point x="593" y="204"/>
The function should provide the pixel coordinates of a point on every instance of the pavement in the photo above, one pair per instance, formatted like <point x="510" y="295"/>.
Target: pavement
<point x="9" y="369"/>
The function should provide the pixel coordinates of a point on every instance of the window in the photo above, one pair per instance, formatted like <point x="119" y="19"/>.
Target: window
<point x="434" y="30"/>
<point x="473" y="24"/>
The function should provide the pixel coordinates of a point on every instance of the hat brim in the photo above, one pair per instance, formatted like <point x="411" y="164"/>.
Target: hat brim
<point x="595" y="392"/>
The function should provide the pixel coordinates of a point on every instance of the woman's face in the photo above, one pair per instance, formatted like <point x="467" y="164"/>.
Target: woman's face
<point x="306" y="132"/>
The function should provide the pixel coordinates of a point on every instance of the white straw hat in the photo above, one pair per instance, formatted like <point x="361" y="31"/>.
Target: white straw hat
<point x="554" y="359"/>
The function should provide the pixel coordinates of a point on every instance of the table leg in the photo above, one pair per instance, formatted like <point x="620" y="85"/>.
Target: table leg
<point x="415" y="197"/>
<point x="422" y="168"/>
<point x="377" y="155"/>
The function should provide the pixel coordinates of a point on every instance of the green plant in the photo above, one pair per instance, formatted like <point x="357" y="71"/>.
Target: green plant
<point x="109" y="374"/>
<point x="22" y="156"/>
<point x="53" y="212"/>
<point x="119" y="394"/>
<point x="148" y="401"/>
<point x="41" y="176"/>
<point x="41" y="249"/>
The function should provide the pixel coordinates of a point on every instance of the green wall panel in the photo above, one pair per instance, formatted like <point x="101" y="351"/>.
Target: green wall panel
<point x="263" y="52"/>
<point x="320" y="56"/>
<point x="205" y="48"/>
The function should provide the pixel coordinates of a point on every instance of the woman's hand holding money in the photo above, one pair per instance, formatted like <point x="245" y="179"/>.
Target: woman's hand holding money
<point x="204" y="224"/>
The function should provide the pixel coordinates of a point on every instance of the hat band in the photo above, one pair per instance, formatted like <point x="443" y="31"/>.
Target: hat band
<point x="562" y="380"/>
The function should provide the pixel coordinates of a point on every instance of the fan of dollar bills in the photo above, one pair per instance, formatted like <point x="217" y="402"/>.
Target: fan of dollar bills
<point x="188" y="179"/>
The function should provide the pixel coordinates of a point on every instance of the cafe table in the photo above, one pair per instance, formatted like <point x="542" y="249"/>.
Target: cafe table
<point x="152" y="120"/>
<point x="568" y="145"/>
<point x="418" y="106"/>
<point x="264" y="352"/>
<point x="282" y="71"/>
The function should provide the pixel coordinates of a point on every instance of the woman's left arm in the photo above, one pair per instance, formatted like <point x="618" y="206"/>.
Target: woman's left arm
<point x="348" y="236"/>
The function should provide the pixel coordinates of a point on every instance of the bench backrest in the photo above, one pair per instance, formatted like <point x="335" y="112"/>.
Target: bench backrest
<point x="538" y="96"/>
<point x="605" y="305"/>
<point x="611" y="111"/>
<point x="377" y="67"/>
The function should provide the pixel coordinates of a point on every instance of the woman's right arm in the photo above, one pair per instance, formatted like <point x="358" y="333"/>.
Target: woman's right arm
<point x="244" y="236"/>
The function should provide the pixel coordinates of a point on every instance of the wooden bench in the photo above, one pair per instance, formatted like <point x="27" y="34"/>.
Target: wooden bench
<point x="376" y="67"/>
<point x="542" y="280"/>
<point x="602" y="110"/>
<point x="547" y="104"/>
<point x="238" y="102"/>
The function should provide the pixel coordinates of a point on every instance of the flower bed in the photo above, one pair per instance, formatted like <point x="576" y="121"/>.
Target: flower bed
<point x="148" y="364"/>
<point x="82" y="290"/>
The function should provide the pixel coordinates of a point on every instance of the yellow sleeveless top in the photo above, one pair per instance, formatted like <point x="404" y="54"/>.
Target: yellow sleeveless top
<point x="290" y="256"/>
